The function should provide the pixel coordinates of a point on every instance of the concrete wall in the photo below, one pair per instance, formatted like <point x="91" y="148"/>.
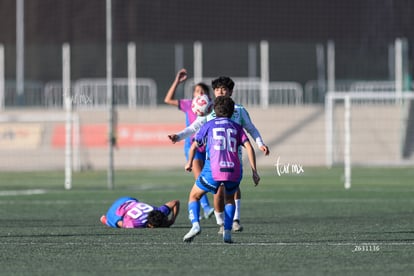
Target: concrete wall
<point x="295" y="135"/>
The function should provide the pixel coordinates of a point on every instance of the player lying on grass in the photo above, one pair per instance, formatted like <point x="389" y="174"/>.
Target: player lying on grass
<point x="129" y="212"/>
<point x="222" y="138"/>
<point x="223" y="86"/>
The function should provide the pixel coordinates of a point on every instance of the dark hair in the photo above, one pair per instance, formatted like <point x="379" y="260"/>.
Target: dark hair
<point x="223" y="106"/>
<point x="223" y="81"/>
<point x="204" y="87"/>
<point x="157" y="219"/>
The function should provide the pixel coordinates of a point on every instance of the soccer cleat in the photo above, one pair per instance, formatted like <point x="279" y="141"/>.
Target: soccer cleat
<point x="209" y="213"/>
<point x="236" y="226"/>
<point x="221" y="230"/>
<point x="195" y="230"/>
<point x="227" y="236"/>
<point x="103" y="219"/>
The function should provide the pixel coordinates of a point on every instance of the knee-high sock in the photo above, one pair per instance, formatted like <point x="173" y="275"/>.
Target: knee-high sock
<point x="229" y="210"/>
<point x="193" y="211"/>
<point x="237" y="212"/>
<point x="205" y="204"/>
<point x="219" y="217"/>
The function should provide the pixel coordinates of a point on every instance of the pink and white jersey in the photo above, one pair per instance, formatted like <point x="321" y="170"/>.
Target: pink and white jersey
<point x="135" y="213"/>
<point x="222" y="138"/>
<point x="185" y="106"/>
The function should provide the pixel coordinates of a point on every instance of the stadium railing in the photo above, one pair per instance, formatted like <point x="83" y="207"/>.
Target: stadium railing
<point x="247" y="91"/>
<point x="86" y="93"/>
<point x="314" y="91"/>
<point x="32" y="94"/>
<point x="91" y="93"/>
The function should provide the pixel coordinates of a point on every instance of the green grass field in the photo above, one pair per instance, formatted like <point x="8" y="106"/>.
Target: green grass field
<point x="305" y="224"/>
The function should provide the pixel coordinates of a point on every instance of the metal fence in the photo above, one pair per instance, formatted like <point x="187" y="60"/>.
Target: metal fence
<point x="288" y="67"/>
<point x="248" y="92"/>
<point x="92" y="93"/>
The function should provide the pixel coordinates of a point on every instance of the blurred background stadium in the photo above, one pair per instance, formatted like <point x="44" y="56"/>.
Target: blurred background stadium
<point x="283" y="55"/>
<point x="327" y="83"/>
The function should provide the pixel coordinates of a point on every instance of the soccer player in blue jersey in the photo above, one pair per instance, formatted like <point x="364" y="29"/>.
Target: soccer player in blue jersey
<point x="223" y="86"/>
<point x="222" y="138"/>
<point x="129" y="212"/>
<point x="185" y="106"/>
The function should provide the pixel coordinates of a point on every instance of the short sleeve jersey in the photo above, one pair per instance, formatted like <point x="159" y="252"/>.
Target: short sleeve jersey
<point x="242" y="117"/>
<point x="135" y="213"/>
<point x="222" y="138"/>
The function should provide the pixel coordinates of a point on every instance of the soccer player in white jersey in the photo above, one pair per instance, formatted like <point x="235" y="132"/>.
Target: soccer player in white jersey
<point x="223" y="86"/>
<point x="222" y="138"/>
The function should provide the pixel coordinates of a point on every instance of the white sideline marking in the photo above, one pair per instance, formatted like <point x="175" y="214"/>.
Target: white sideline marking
<point x="318" y="243"/>
<point x="278" y="200"/>
<point x="22" y="192"/>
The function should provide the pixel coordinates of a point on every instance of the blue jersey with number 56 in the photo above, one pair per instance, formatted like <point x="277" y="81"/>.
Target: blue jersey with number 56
<point x="222" y="138"/>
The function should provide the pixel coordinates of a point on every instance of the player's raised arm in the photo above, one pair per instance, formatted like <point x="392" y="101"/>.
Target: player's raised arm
<point x="252" y="130"/>
<point x="179" y="78"/>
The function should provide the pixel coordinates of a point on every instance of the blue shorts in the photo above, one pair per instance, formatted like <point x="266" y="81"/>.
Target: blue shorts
<point x="111" y="217"/>
<point x="206" y="182"/>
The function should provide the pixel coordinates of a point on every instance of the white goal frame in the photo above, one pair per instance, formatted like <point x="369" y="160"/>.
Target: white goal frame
<point x="347" y="98"/>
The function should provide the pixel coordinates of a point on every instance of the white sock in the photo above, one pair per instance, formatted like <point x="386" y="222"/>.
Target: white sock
<point x="219" y="217"/>
<point x="237" y="212"/>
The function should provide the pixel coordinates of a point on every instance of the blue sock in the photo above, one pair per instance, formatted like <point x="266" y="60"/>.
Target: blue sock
<point x="229" y="210"/>
<point x="204" y="203"/>
<point x="193" y="211"/>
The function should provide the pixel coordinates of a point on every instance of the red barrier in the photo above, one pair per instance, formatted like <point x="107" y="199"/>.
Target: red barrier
<point x="128" y="135"/>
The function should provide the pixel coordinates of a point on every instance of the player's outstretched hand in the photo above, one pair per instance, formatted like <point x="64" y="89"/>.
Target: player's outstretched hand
<point x="181" y="75"/>
<point x="256" y="178"/>
<point x="188" y="167"/>
<point x="265" y="149"/>
<point x="173" y="138"/>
